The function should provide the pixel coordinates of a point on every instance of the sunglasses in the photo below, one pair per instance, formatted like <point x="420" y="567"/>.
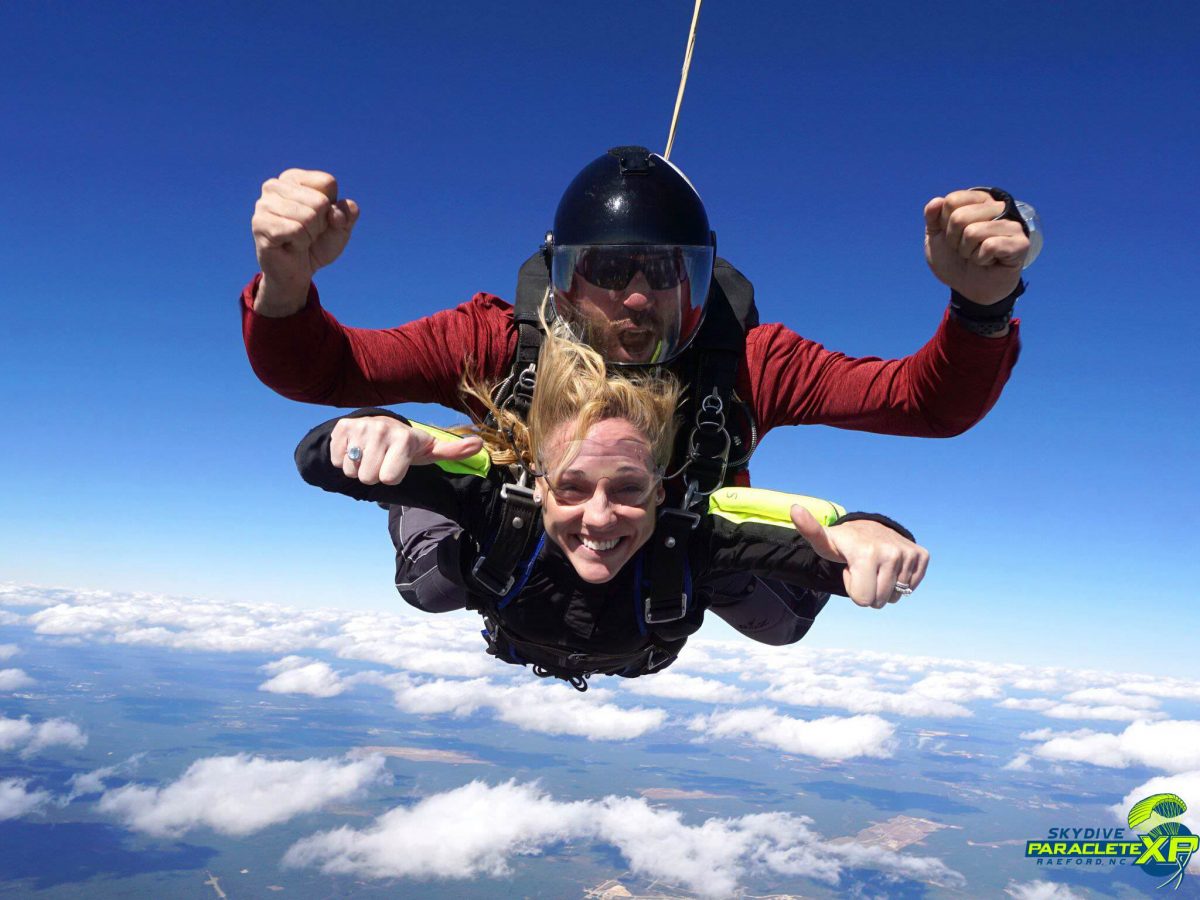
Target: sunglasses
<point x="612" y="268"/>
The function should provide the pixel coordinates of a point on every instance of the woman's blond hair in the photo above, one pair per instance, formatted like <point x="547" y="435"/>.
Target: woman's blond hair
<point x="574" y="383"/>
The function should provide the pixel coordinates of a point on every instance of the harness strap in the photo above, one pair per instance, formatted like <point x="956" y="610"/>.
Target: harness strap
<point x="710" y="449"/>
<point x="519" y="519"/>
<point x="666" y="591"/>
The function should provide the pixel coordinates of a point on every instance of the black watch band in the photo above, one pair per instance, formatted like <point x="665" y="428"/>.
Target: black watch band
<point x="1010" y="206"/>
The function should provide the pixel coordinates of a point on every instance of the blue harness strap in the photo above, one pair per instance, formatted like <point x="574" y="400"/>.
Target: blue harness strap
<point x="524" y="576"/>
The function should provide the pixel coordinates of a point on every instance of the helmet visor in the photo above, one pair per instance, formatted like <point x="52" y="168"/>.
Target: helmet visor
<point x="637" y="304"/>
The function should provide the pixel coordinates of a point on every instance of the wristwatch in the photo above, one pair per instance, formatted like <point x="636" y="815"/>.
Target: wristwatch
<point x="1024" y="215"/>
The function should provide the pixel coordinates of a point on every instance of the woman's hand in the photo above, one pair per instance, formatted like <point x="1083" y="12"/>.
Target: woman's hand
<point x="877" y="558"/>
<point x="388" y="447"/>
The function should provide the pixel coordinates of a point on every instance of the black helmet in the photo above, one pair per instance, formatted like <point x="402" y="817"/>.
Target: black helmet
<point x="632" y="213"/>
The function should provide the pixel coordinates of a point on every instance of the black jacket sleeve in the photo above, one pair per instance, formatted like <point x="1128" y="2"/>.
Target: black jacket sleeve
<point x="458" y="497"/>
<point x="775" y="551"/>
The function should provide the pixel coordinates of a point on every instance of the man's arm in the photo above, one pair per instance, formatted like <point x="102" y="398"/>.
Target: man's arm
<point x="946" y="386"/>
<point x="939" y="391"/>
<point x="301" y="351"/>
<point x="312" y="357"/>
<point x="299" y="226"/>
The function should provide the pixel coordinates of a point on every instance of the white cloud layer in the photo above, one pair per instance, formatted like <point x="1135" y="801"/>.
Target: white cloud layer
<point x="476" y="830"/>
<point x="238" y="795"/>
<point x="1172" y="746"/>
<point x="17" y="801"/>
<point x="8" y="651"/>
<point x="14" y="680"/>
<point x="436" y="666"/>
<point x="29" y="738"/>
<point x="830" y="737"/>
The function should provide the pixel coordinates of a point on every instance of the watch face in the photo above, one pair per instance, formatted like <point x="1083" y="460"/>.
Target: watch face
<point x="1029" y="216"/>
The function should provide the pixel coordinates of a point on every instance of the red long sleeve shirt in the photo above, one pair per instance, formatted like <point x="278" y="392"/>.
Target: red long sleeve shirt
<point x="941" y="390"/>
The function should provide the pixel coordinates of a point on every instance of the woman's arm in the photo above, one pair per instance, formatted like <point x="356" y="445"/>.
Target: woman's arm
<point x="810" y="543"/>
<point x="398" y="462"/>
<point x="882" y="562"/>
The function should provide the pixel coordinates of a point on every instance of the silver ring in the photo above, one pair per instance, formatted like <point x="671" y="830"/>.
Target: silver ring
<point x="903" y="589"/>
<point x="355" y="454"/>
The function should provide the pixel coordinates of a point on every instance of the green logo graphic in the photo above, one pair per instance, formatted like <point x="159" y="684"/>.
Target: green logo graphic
<point x="1169" y="844"/>
<point x="1158" y="845"/>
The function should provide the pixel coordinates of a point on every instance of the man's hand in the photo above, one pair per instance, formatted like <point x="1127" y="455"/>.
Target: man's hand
<point x="971" y="251"/>
<point x="299" y="225"/>
<point x="389" y="447"/>
<point x="876" y="557"/>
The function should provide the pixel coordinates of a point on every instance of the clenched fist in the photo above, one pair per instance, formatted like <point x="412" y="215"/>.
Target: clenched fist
<point x="972" y="251"/>
<point x="299" y="225"/>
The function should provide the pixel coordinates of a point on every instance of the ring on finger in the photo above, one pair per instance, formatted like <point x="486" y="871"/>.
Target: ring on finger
<point x="902" y="589"/>
<point x="354" y="453"/>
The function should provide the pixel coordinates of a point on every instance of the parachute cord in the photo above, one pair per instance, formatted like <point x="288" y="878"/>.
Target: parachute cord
<point x="687" y="64"/>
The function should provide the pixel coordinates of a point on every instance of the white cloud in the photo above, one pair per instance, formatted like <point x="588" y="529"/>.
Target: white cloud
<point x="476" y="830"/>
<point x="1136" y="708"/>
<point x="1112" y="697"/>
<point x="1041" y="890"/>
<point x="8" y="651"/>
<point x="1036" y="704"/>
<point x="1109" y="713"/>
<point x="92" y="782"/>
<point x="297" y="675"/>
<point x="446" y="644"/>
<point x="831" y="737"/>
<point x="676" y="686"/>
<point x="31" y="739"/>
<point x="1167" y="688"/>
<point x="53" y="733"/>
<point x="557" y="709"/>
<point x="958" y="686"/>
<point x="532" y="706"/>
<point x="856" y="694"/>
<point x="1172" y="746"/>
<point x="14" y="732"/>
<point x="28" y="595"/>
<point x="14" y="680"/>
<point x="238" y="795"/>
<point x="16" y="801"/>
<point x="186" y="624"/>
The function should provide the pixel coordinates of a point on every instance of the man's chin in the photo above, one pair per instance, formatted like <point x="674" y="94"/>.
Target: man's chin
<point x="635" y="346"/>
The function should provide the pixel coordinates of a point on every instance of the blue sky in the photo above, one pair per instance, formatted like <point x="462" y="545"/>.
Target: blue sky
<point x="142" y="454"/>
